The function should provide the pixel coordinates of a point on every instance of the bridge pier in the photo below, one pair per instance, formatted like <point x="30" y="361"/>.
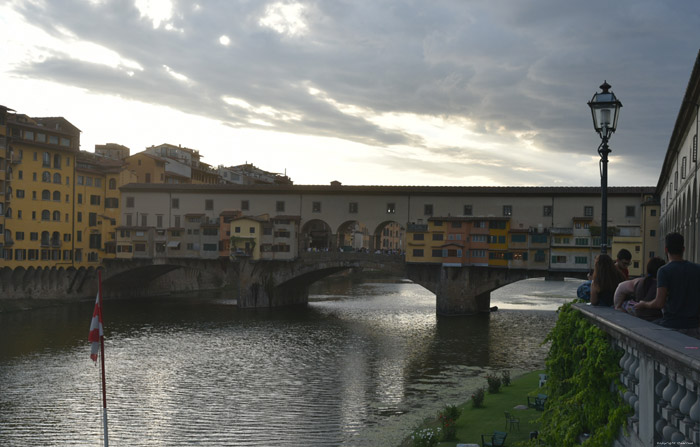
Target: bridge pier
<point x="459" y="292"/>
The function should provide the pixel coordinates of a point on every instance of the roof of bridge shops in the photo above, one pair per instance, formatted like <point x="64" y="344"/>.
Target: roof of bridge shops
<point x="385" y="190"/>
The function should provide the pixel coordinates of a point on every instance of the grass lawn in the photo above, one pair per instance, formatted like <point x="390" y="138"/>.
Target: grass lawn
<point x="477" y="421"/>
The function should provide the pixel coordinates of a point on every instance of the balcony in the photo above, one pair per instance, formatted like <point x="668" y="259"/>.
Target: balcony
<point x="661" y="370"/>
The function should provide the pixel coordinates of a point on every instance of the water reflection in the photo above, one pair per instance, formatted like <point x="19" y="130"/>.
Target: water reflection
<point x="361" y="365"/>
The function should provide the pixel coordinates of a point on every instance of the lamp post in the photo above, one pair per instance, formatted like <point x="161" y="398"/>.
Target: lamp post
<point x="605" y="108"/>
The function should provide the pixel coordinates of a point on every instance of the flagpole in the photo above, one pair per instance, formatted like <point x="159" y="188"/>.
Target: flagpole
<point x="102" y="356"/>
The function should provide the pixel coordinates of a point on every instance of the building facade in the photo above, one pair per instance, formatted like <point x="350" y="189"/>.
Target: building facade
<point x="678" y="188"/>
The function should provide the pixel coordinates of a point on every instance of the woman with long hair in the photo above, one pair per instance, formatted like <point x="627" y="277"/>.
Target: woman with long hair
<point x="606" y="277"/>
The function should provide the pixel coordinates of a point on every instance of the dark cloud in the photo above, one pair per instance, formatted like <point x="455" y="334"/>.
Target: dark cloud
<point x="515" y="66"/>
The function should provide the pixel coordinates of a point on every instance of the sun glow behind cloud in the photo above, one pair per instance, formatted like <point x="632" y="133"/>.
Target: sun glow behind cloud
<point x="285" y="18"/>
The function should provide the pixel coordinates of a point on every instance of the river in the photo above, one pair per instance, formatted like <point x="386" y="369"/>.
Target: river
<point x="361" y="365"/>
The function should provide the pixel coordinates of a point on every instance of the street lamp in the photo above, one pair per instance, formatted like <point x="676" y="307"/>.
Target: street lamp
<point x="605" y="108"/>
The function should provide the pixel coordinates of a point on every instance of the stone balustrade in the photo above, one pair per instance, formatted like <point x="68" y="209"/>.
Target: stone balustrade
<point x="661" y="371"/>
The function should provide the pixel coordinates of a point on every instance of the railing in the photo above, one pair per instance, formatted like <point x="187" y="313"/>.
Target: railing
<point x="661" y="370"/>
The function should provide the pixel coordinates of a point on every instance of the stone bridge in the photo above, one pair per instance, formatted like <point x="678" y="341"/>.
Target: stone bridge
<point x="458" y="290"/>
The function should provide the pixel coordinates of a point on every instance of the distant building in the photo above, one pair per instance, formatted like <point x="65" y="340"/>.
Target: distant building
<point x="112" y="150"/>
<point x="37" y="174"/>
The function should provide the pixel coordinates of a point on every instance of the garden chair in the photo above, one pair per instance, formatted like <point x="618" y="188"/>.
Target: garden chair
<point x="537" y="402"/>
<point x="543" y="379"/>
<point x="512" y="422"/>
<point x="497" y="439"/>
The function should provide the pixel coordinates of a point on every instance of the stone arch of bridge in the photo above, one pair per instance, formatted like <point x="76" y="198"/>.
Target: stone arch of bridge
<point x="316" y="234"/>
<point x="396" y="238"/>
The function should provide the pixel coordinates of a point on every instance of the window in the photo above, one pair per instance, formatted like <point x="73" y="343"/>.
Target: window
<point x="683" y="166"/>
<point x="209" y="204"/>
<point x="418" y="236"/>
<point x="46" y="177"/>
<point x="79" y="236"/>
<point x="437" y="253"/>
<point x="177" y="221"/>
<point x="629" y="211"/>
<point x="46" y="160"/>
<point x="418" y="252"/>
<point x="428" y="209"/>
<point x="130" y="202"/>
<point x="57" y="161"/>
<point x="456" y="224"/>
<point x="175" y="204"/>
<point x="353" y="207"/>
<point x="468" y="210"/>
<point x="65" y="142"/>
<point x="159" y="220"/>
<point x="252" y="230"/>
<point x="19" y="235"/>
<point x="96" y="241"/>
<point x="111" y="202"/>
<point x="583" y="241"/>
<point x="57" y="216"/>
<point x="57" y="178"/>
<point x="581" y="260"/>
<point x="94" y="200"/>
<point x="46" y="215"/>
<point x="148" y="177"/>
<point x="478" y="253"/>
<point x="518" y="238"/>
<point x="507" y="210"/>
<point x="653" y="212"/>
<point x="547" y="210"/>
<point x="88" y="181"/>
<point x="144" y="220"/>
<point x="112" y="184"/>
<point x="279" y="206"/>
<point x="588" y="211"/>
<point x="237" y="230"/>
<point x="391" y="208"/>
<point x="92" y="219"/>
<point x="45" y="194"/>
<point x="558" y="259"/>
<point x="245" y="205"/>
<point x="128" y="220"/>
<point x="438" y="236"/>
<point x="315" y="207"/>
<point x="479" y="238"/>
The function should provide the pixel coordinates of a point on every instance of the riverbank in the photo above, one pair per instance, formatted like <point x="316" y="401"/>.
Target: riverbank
<point x="473" y="422"/>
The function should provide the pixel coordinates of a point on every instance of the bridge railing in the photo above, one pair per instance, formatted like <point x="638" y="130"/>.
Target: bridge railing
<point x="661" y="370"/>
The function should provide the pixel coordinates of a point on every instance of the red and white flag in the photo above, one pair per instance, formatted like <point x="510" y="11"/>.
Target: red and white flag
<point x="96" y="331"/>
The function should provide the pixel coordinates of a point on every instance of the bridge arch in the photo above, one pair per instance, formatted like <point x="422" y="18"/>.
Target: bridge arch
<point x="316" y="234"/>
<point x="390" y="235"/>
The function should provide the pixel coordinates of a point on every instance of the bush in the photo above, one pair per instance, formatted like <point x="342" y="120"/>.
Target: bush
<point x="424" y="437"/>
<point x="505" y="378"/>
<point x="448" y="417"/>
<point x="494" y="383"/>
<point x="478" y="398"/>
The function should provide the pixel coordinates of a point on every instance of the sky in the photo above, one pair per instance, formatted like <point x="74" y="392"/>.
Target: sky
<point x="365" y="92"/>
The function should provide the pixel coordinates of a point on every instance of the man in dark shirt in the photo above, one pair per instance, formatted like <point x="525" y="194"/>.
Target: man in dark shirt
<point x="678" y="290"/>
<point x="623" y="261"/>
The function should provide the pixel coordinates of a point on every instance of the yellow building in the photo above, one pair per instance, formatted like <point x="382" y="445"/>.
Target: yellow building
<point x="498" y="241"/>
<point x="96" y="208"/>
<point x="146" y="168"/>
<point x="246" y="233"/>
<point x="38" y="158"/>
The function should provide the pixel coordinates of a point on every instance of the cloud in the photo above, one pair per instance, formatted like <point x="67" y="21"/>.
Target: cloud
<point x="452" y="80"/>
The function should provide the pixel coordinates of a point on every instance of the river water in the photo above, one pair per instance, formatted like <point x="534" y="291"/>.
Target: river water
<point x="361" y="365"/>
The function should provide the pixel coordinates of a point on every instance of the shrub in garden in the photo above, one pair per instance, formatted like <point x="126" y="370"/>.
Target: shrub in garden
<point x="478" y="398"/>
<point x="505" y="378"/>
<point x="448" y="417"/>
<point x="424" y="437"/>
<point x="494" y="383"/>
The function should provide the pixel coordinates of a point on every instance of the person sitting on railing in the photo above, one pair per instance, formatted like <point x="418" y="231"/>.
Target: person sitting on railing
<point x="631" y="292"/>
<point x="678" y="290"/>
<point x="623" y="261"/>
<point x="606" y="277"/>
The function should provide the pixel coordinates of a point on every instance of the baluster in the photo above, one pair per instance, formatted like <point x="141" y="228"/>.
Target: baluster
<point x="695" y="417"/>
<point x="659" y="400"/>
<point x="667" y="410"/>
<point x="678" y="396"/>
<point x="623" y="362"/>
<point x="686" y="404"/>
